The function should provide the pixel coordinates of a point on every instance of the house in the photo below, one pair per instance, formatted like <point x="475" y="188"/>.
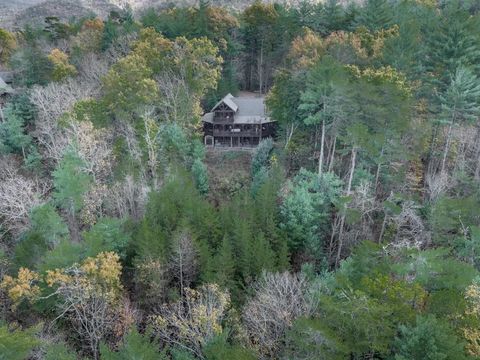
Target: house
<point x="7" y="76"/>
<point x="237" y="122"/>
<point x="4" y="87"/>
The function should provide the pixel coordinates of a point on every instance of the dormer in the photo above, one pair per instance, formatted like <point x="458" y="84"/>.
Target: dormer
<point x="225" y="109"/>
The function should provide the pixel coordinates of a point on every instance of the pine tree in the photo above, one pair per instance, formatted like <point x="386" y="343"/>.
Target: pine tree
<point x="375" y="15"/>
<point x="225" y="265"/>
<point x="430" y="338"/>
<point x="261" y="255"/>
<point x="452" y="42"/>
<point x="70" y="181"/>
<point x="459" y="104"/>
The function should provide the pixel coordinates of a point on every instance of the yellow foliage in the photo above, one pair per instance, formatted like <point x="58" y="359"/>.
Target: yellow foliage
<point x="383" y="75"/>
<point x="22" y="287"/>
<point x="471" y="333"/>
<point x="99" y="275"/>
<point x="61" y="67"/>
<point x="195" y="319"/>
<point x="8" y="44"/>
<point x="153" y="48"/>
<point x="365" y="44"/>
<point x="89" y="39"/>
<point x="93" y="24"/>
<point x="306" y="50"/>
<point x="128" y="84"/>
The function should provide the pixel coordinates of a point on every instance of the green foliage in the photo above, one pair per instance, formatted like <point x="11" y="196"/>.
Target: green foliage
<point x="12" y="133"/>
<point x="95" y="111"/>
<point x="308" y="339"/>
<point x="134" y="346"/>
<point x="46" y="222"/>
<point x="375" y="15"/>
<point x="17" y="344"/>
<point x="108" y="234"/>
<point x="63" y="255"/>
<point x="430" y="338"/>
<point x="381" y="87"/>
<point x="199" y="172"/>
<point x="261" y="156"/>
<point x="451" y="217"/>
<point x="306" y="208"/>
<point x="436" y="270"/>
<point x="451" y="43"/>
<point x="219" y="349"/>
<point x="32" y="65"/>
<point x="60" y="352"/>
<point x="21" y="106"/>
<point x="372" y="331"/>
<point x="128" y="85"/>
<point x="177" y="204"/>
<point x="321" y="100"/>
<point x="70" y="181"/>
<point x="30" y="251"/>
<point x="460" y="100"/>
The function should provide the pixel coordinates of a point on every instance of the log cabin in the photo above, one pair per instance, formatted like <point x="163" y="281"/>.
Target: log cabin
<point x="237" y="122"/>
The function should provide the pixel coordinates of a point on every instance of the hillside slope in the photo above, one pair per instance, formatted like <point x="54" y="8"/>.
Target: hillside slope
<point x="15" y="14"/>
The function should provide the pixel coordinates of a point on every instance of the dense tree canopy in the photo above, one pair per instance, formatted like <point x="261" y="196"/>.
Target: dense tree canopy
<point x="353" y="233"/>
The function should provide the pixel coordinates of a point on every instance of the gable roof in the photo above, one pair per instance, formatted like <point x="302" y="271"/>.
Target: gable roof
<point x="229" y="101"/>
<point x="7" y="76"/>
<point x="248" y="110"/>
<point x="4" y="88"/>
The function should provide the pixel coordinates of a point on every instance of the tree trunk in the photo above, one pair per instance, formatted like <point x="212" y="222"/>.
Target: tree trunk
<point x="330" y="164"/>
<point x="382" y="231"/>
<point x="352" y="170"/>
<point x="342" y="220"/>
<point x="322" y="145"/>
<point x="477" y="168"/>
<point x="378" y="169"/>
<point x="290" y="131"/>
<point x="447" y="148"/>
<point x="260" y="69"/>
<point x="433" y="141"/>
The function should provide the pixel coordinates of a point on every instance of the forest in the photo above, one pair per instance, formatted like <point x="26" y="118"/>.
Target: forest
<point x="354" y="234"/>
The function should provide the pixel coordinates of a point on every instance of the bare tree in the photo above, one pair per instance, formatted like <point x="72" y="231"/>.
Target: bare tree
<point x="437" y="184"/>
<point x="90" y="299"/>
<point x="52" y="102"/>
<point x="152" y="132"/>
<point x="194" y="320"/>
<point x="279" y="299"/>
<point x="411" y="230"/>
<point x="94" y="146"/>
<point x="183" y="261"/>
<point x="18" y="195"/>
<point x="175" y="94"/>
<point x="127" y="198"/>
<point x="92" y="68"/>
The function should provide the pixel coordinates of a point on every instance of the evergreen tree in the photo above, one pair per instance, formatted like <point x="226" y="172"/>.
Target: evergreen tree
<point x="452" y="42"/>
<point x="134" y="346"/>
<point x="60" y="352"/>
<point x="199" y="171"/>
<point x="430" y="338"/>
<point x="71" y="182"/>
<point x="459" y="103"/>
<point x="46" y="222"/>
<point x="375" y="15"/>
<point x="225" y="265"/>
<point x="18" y="344"/>
<point x="13" y="137"/>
